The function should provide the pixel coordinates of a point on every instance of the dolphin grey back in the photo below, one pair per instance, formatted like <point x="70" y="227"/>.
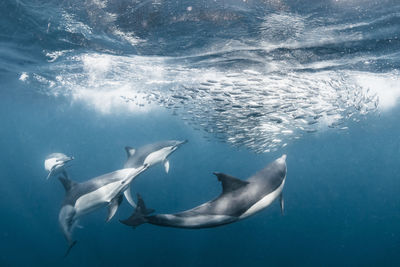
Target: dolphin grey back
<point x="243" y="195"/>
<point x="271" y="176"/>
<point x="238" y="200"/>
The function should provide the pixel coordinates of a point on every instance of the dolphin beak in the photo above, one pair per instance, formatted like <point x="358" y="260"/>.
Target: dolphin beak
<point x="282" y="159"/>
<point x="182" y="142"/>
<point x="178" y="144"/>
<point x="69" y="159"/>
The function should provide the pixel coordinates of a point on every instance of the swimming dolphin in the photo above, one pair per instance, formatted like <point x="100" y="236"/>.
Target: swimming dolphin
<point x="83" y="198"/>
<point x="239" y="199"/>
<point x="55" y="162"/>
<point x="150" y="154"/>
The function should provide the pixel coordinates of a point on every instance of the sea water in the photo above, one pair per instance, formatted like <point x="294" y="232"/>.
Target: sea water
<point x="244" y="82"/>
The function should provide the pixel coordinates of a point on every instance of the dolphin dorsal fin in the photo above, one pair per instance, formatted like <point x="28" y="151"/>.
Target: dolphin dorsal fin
<point x="67" y="183"/>
<point x="129" y="151"/>
<point x="229" y="183"/>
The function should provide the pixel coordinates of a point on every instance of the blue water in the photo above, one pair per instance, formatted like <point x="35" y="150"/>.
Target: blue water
<point x="244" y="82"/>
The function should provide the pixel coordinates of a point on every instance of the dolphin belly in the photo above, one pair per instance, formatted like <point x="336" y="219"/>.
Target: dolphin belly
<point x="157" y="156"/>
<point x="193" y="221"/>
<point x="263" y="202"/>
<point x="97" y="198"/>
<point x="105" y="191"/>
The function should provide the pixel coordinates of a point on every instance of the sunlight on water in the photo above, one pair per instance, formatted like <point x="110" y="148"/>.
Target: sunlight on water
<point x="288" y="74"/>
<point x="247" y="108"/>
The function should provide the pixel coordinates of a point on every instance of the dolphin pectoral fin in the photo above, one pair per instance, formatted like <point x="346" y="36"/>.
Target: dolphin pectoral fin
<point x="282" y="204"/>
<point x="129" y="151"/>
<point x="129" y="198"/>
<point x="53" y="171"/>
<point x="111" y="211"/>
<point x="76" y="225"/>
<point x="113" y="206"/>
<point x="69" y="248"/>
<point x="166" y="165"/>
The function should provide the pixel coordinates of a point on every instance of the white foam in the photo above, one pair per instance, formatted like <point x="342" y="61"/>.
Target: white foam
<point x="107" y="101"/>
<point x="72" y="25"/>
<point x="385" y="85"/>
<point x="23" y="76"/>
<point x="273" y="108"/>
<point x="109" y="83"/>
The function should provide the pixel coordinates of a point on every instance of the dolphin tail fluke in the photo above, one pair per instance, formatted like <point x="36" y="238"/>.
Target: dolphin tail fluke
<point x="139" y="216"/>
<point x="149" y="211"/>
<point x="64" y="172"/>
<point x="69" y="248"/>
<point x="142" y="206"/>
<point x="135" y="220"/>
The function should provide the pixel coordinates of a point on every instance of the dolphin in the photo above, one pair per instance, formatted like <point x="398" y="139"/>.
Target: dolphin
<point x="55" y="162"/>
<point x="150" y="154"/>
<point x="239" y="199"/>
<point x="83" y="198"/>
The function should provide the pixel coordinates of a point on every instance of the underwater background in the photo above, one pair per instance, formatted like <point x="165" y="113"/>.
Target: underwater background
<point x="244" y="82"/>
